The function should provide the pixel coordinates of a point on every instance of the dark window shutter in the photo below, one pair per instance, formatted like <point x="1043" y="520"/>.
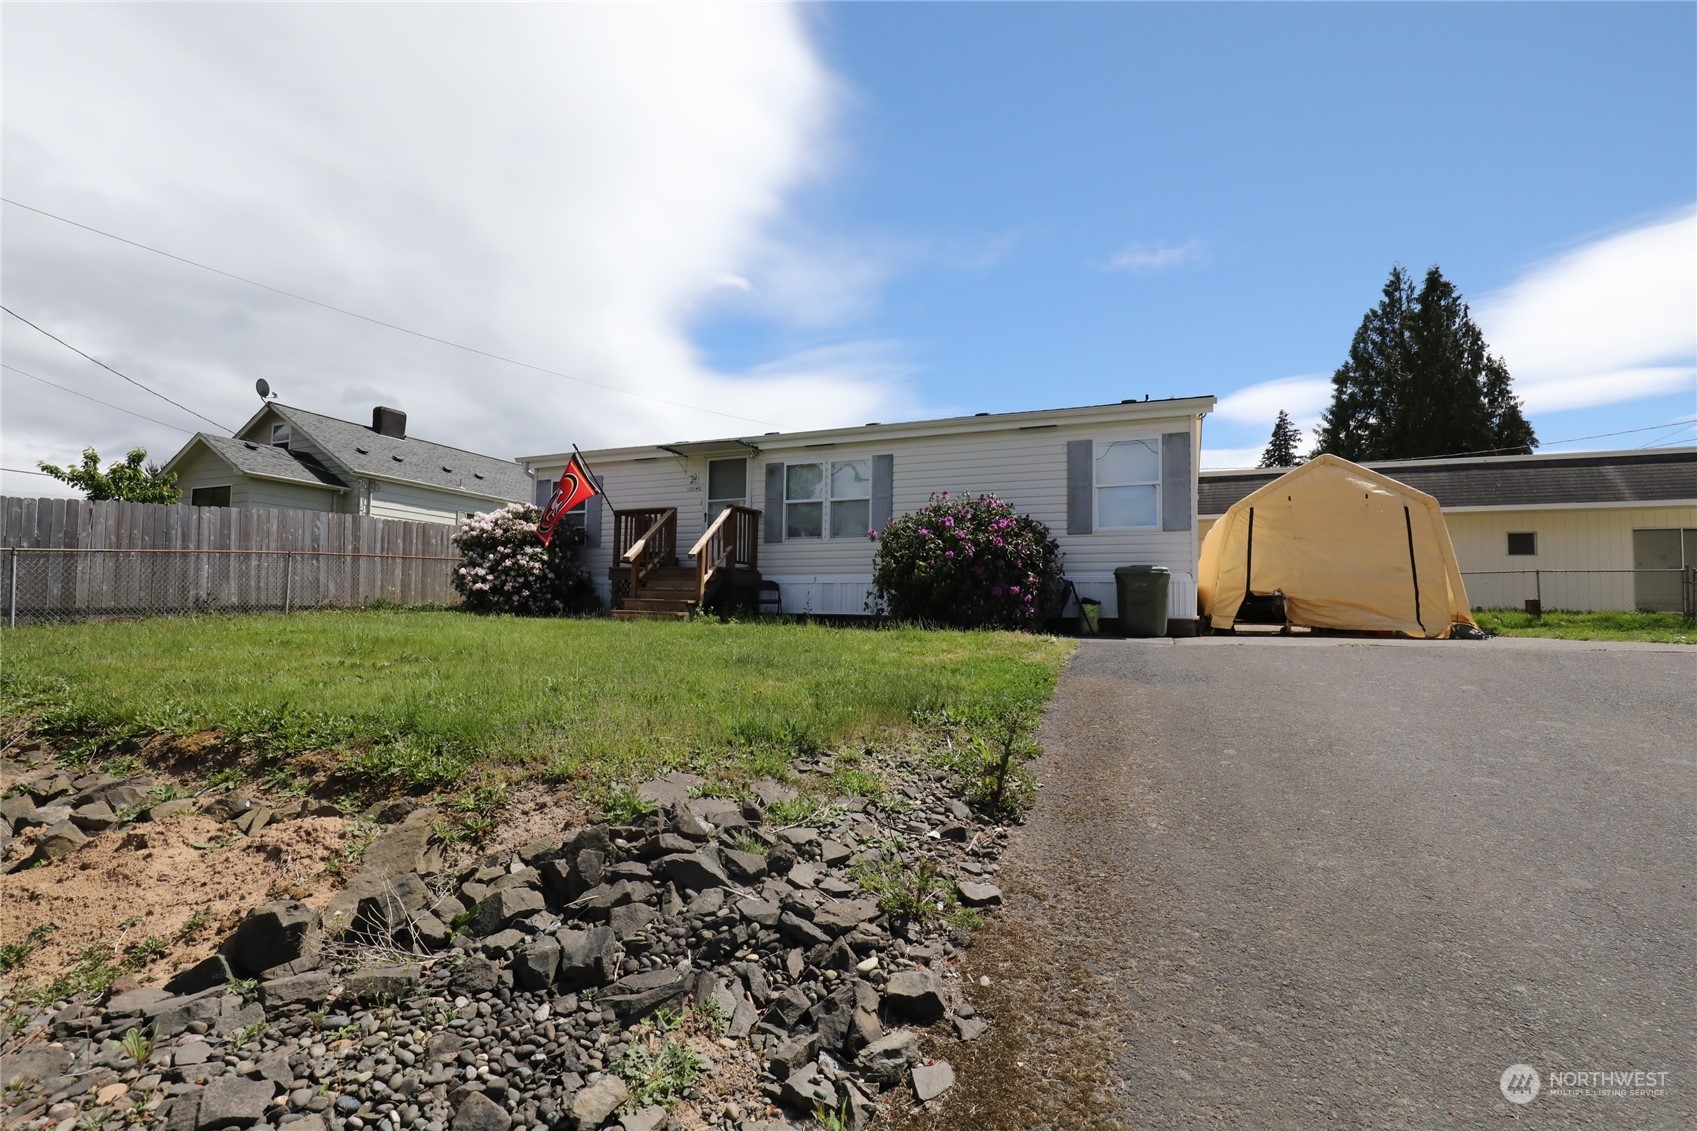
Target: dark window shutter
<point x="883" y="491"/>
<point x="544" y="491"/>
<point x="1177" y="481"/>
<point x="1081" y="485"/>
<point x="774" y="503"/>
<point x="592" y="521"/>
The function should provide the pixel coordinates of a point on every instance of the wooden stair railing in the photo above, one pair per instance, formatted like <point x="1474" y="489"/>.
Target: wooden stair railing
<point x="656" y="545"/>
<point x="732" y="542"/>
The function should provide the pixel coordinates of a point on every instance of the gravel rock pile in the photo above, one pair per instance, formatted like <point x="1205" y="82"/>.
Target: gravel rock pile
<point x="512" y="993"/>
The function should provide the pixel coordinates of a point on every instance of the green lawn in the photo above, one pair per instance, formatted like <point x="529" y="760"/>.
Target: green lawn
<point x="418" y="699"/>
<point x="1658" y="628"/>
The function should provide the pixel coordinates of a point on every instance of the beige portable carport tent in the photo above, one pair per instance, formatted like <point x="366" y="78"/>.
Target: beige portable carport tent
<point x="1351" y="549"/>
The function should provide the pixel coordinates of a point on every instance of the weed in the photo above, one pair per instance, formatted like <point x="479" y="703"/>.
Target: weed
<point x="660" y="1075"/>
<point x="712" y="1017"/>
<point x="798" y="810"/>
<point x="832" y="1120"/>
<point x="623" y="807"/>
<point x="665" y="1019"/>
<point x="917" y="893"/>
<point x="225" y="778"/>
<point x="12" y="954"/>
<point x="138" y="1046"/>
<point x="966" y="920"/>
<point x="145" y="951"/>
<point x="745" y="841"/>
<point x="196" y="923"/>
<point x="246" y="1033"/>
<point x="857" y="783"/>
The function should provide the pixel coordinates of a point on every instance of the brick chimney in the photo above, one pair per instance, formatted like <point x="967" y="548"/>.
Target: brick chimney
<point x="389" y="422"/>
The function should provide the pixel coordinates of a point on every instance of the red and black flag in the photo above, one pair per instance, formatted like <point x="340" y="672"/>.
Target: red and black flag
<point x="575" y="486"/>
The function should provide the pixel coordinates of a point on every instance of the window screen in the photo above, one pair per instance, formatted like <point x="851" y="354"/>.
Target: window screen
<point x="1522" y="545"/>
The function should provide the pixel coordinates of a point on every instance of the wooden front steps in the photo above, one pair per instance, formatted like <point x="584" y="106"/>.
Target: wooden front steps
<point x="667" y="593"/>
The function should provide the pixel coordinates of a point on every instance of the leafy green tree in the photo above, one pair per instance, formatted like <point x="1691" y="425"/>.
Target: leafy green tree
<point x="1281" y="449"/>
<point x="1421" y="381"/>
<point x="131" y="479"/>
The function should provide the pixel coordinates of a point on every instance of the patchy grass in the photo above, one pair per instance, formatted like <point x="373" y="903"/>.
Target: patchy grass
<point x="1655" y="628"/>
<point x="444" y="701"/>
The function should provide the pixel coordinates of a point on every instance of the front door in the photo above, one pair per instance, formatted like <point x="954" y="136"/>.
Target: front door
<point x="1657" y="556"/>
<point x="727" y="485"/>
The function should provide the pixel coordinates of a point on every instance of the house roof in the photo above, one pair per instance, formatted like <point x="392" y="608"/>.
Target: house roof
<point x="979" y="422"/>
<point x="408" y="459"/>
<point x="265" y="461"/>
<point x="1578" y="478"/>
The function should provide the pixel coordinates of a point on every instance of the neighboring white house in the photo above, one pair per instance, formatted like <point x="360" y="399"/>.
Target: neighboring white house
<point x="288" y="457"/>
<point x="1115" y="484"/>
<point x="1584" y="530"/>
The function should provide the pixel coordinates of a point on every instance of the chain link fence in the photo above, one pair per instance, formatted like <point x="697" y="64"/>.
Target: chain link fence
<point x="1585" y="590"/>
<point x="40" y="585"/>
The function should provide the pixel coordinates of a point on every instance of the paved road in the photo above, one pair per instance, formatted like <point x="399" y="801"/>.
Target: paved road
<point x="1329" y="884"/>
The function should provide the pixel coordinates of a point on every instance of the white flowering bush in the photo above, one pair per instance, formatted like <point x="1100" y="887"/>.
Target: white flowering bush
<point x="505" y="568"/>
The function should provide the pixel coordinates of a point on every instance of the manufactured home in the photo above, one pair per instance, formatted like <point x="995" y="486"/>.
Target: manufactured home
<point x="1115" y="484"/>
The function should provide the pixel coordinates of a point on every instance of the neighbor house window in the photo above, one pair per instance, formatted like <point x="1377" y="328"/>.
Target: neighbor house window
<point x="1522" y="545"/>
<point x="1128" y="484"/>
<point x="834" y="497"/>
<point x="280" y="436"/>
<point x="210" y="497"/>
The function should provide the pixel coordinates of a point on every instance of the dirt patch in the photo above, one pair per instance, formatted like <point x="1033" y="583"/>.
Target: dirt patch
<point x="148" y="880"/>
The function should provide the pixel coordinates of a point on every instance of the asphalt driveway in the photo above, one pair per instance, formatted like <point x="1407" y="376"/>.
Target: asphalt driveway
<point x="1316" y="883"/>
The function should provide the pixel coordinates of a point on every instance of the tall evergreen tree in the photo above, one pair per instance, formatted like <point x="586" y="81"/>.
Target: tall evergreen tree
<point x="1420" y="381"/>
<point x="1281" y="449"/>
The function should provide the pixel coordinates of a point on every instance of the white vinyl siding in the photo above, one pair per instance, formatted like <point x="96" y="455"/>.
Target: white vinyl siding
<point x="203" y="469"/>
<point x="421" y="504"/>
<point x="1026" y="466"/>
<point x="292" y="496"/>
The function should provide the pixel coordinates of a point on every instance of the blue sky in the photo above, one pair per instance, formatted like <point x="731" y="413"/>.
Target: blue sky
<point x="1282" y="156"/>
<point x="706" y="220"/>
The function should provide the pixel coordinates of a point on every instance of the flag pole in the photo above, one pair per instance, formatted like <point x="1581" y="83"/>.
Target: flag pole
<point x="594" y="478"/>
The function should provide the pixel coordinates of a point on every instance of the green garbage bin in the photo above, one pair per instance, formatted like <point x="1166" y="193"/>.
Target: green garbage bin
<point x="1142" y="592"/>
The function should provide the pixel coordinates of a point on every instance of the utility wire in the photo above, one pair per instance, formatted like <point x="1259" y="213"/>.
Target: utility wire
<point x="96" y="400"/>
<point x="109" y="369"/>
<point x="387" y="325"/>
<point x="1659" y="440"/>
<point x="21" y="471"/>
<point x="1541" y="443"/>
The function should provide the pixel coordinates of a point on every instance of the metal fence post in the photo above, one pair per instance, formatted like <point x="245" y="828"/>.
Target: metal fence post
<point x="1538" y="589"/>
<point x="288" y="579"/>
<point x="12" y="594"/>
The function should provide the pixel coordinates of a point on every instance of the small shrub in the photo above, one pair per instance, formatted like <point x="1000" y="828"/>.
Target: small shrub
<point x="138" y="1046"/>
<point x="917" y="893"/>
<point x="660" y="1075"/>
<point x="624" y="807"/>
<point x="12" y="954"/>
<point x="505" y="568"/>
<point x="968" y="562"/>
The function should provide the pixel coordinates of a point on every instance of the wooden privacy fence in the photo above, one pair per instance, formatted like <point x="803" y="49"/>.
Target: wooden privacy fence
<point x="67" y="559"/>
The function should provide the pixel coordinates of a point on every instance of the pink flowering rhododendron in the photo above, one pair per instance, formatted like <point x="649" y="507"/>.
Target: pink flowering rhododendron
<point x="505" y="568"/>
<point x="969" y="562"/>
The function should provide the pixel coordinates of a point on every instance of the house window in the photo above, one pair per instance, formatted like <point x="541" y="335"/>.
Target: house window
<point x="1522" y="545"/>
<point x="577" y="516"/>
<point x="280" y="436"/>
<point x="210" y="497"/>
<point x="1128" y="484"/>
<point x="834" y="497"/>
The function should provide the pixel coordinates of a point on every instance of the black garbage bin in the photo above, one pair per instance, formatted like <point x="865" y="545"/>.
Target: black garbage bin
<point x="1142" y="592"/>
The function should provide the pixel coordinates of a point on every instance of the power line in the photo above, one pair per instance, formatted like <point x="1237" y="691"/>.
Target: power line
<point x="1677" y="429"/>
<point x="387" y="325"/>
<point x="1542" y="443"/>
<point x="21" y="471"/>
<point x="109" y="369"/>
<point x="96" y="400"/>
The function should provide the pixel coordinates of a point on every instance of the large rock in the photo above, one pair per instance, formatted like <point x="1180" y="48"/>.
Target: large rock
<point x="886" y="1060"/>
<point x="592" y="1105"/>
<point x="311" y="988"/>
<point x="406" y="847"/>
<point x="806" y="1090"/>
<point x="932" y="1080"/>
<point x="383" y="983"/>
<point x="980" y="895"/>
<point x="35" y="1062"/>
<point x="839" y="916"/>
<point x="535" y="964"/>
<point x="203" y="975"/>
<point x="233" y="1101"/>
<point x="272" y="934"/>
<point x="477" y="1112"/>
<point x="500" y="908"/>
<point x="669" y="790"/>
<point x="638" y="994"/>
<point x="172" y="1015"/>
<point x="916" y="994"/>
<point x="60" y="840"/>
<point x="589" y="957"/>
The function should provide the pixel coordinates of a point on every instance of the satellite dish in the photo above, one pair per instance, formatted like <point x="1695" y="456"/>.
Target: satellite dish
<point x="263" y="388"/>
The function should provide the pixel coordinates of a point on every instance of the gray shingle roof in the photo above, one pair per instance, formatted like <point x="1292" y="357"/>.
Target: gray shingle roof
<point x="1602" y="477"/>
<point x="411" y="460"/>
<point x="276" y="463"/>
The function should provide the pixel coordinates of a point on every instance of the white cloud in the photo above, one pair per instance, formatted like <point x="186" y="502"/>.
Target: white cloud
<point x="564" y="184"/>
<point x="1141" y="258"/>
<point x="1305" y="397"/>
<point x="1614" y="320"/>
<point x="1231" y="459"/>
